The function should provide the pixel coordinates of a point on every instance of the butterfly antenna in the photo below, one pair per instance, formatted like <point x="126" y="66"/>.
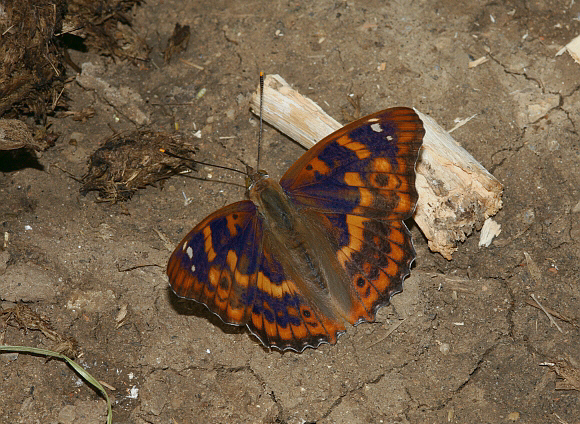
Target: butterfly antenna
<point x="173" y="155"/>
<point x="261" y="119"/>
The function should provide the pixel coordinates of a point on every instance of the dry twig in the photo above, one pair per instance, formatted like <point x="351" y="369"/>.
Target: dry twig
<point x="547" y="313"/>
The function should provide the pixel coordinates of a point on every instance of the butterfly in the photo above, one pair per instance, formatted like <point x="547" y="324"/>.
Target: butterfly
<point x="325" y="245"/>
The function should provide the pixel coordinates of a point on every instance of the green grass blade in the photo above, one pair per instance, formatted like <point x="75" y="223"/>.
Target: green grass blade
<point x="78" y="369"/>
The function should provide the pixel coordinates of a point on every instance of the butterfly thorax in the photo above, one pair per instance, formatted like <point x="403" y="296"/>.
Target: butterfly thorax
<point x="275" y="208"/>
<point x="302" y="245"/>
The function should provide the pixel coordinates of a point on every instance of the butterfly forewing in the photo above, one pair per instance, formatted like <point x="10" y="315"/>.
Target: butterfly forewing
<point x="366" y="168"/>
<point x="216" y="263"/>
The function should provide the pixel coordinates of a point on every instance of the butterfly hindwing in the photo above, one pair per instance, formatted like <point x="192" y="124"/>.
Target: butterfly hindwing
<point x="376" y="255"/>
<point x="284" y="318"/>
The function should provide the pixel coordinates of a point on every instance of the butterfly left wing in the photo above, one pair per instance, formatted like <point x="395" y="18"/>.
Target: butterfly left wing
<point x="360" y="180"/>
<point x="225" y="264"/>
<point x="216" y="263"/>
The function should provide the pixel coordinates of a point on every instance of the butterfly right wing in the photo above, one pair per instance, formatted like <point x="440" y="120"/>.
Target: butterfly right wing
<point x="360" y="180"/>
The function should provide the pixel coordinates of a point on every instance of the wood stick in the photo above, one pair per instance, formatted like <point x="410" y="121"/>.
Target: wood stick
<point x="456" y="193"/>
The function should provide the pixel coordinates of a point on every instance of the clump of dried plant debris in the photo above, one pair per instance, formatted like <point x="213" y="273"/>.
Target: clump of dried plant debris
<point x="105" y="27"/>
<point x="128" y="162"/>
<point x="21" y="316"/>
<point x="35" y="36"/>
<point x="31" y="69"/>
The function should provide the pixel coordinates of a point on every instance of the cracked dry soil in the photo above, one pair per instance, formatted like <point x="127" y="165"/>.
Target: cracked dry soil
<point x="461" y="344"/>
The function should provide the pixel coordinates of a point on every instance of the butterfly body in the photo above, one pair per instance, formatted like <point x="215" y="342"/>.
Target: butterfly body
<point x="323" y="246"/>
<point x="299" y="238"/>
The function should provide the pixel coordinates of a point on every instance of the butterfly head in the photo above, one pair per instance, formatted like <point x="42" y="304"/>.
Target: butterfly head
<point x="253" y="177"/>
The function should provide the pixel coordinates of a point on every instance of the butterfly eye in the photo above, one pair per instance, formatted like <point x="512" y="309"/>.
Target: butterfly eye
<point x="262" y="173"/>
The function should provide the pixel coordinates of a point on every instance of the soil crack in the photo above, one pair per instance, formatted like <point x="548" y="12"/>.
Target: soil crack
<point x="358" y="388"/>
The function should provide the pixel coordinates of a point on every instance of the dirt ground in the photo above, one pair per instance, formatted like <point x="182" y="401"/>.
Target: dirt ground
<point x="461" y="344"/>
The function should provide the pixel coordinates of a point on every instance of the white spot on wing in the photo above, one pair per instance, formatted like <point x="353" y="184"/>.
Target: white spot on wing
<point x="189" y="252"/>
<point x="373" y="120"/>
<point x="184" y="246"/>
<point x="193" y="268"/>
<point x="376" y="128"/>
<point x="390" y="137"/>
